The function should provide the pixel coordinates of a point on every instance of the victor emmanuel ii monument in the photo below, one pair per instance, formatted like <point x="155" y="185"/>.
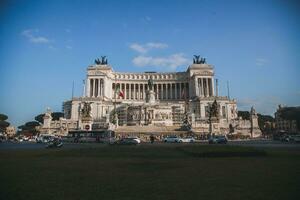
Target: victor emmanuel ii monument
<point x="152" y="103"/>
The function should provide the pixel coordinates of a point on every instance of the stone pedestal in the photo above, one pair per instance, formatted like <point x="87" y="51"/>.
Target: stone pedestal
<point x="86" y="123"/>
<point x="150" y="97"/>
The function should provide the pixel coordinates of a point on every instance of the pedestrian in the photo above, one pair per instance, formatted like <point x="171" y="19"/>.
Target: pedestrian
<point x="152" y="138"/>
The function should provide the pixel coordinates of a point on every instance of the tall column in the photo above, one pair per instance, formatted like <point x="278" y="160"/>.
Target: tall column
<point x="125" y="91"/>
<point x="196" y="87"/>
<point x="129" y="91"/>
<point x="95" y="87"/>
<point x="156" y="95"/>
<point x="91" y="87"/>
<point x="176" y="91"/>
<point x="134" y="92"/>
<point x="100" y="87"/>
<point x="162" y="91"/>
<point x="180" y="91"/>
<point x="88" y="85"/>
<point x="98" y="92"/>
<point x="207" y="88"/>
<point x="167" y="91"/>
<point x="171" y="90"/>
<point x="213" y="86"/>
<point x="199" y="87"/>
<point x="103" y="88"/>
<point x="139" y="92"/>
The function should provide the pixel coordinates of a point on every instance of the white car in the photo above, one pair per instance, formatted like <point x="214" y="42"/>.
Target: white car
<point x="172" y="138"/>
<point x="138" y="140"/>
<point x="187" y="140"/>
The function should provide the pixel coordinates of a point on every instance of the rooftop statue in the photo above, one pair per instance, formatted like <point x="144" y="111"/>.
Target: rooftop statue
<point x="103" y="61"/>
<point x="150" y="83"/>
<point x="198" y="60"/>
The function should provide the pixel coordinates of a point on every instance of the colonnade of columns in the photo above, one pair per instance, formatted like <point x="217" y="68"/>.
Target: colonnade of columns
<point x="204" y="87"/>
<point x="95" y="87"/>
<point x="163" y="91"/>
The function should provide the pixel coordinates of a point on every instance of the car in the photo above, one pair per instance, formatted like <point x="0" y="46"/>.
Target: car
<point x="172" y="138"/>
<point x="187" y="139"/>
<point x="127" y="141"/>
<point x="46" y="139"/>
<point x="286" y="138"/>
<point x="220" y="139"/>
<point x="138" y="140"/>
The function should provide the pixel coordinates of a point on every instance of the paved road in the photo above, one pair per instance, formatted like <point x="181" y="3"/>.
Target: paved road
<point x="254" y="143"/>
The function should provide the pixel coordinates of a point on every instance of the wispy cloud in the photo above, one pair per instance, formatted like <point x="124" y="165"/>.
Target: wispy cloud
<point x="261" y="61"/>
<point x="146" y="19"/>
<point x="171" y="62"/>
<point x="33" y="36"/>
<point x="69" y="47"/>
<point x="67" y="30"/>
<point x="144" y="48"/>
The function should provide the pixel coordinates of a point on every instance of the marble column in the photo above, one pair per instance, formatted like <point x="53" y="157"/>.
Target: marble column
<point x="176" y="91"/>
<point x="129" y="91"/>
<point x="202" y="87"/>
<point x="144" y="91"/>
<point x="134" y="91"/>
<point x="162" y="91"/>
<point x="180" y="91"/>
<point x="139" y="91"/>
<point x="207" y="88"/>
<point x="88" y="85"/>
<point x="213" y="86"/>
<point x="156" y="92"/>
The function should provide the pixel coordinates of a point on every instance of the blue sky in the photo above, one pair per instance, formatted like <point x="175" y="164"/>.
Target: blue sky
<point x="46" y="45"/>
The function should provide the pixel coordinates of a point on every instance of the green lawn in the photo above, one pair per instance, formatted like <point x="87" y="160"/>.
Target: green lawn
<point x="150" y="172"/>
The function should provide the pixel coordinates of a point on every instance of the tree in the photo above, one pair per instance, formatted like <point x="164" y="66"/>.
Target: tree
<point x="3" y="124"/>
<point x="3" y="117"/>
<point x="30" y="127"/>
<point x="244" y="114"/>
<point x="54" y="115"/>
<point x="263" y="122"/>
<point x="39" y="118"/>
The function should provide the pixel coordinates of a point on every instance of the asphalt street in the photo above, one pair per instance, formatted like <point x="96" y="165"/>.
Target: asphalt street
<point x="253" y="143"/>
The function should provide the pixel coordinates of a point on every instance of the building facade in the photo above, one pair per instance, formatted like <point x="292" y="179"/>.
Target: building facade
<point x="152" y="102"/>
<point x="283" y="124"/>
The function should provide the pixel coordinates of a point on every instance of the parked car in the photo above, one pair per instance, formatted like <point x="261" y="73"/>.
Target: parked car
<point x="46" y="139"/>
<point x="54" y="143"/>
<point x="138" y="140"/>
<point x="286" y="138"/>
<point x="127" y="141"/>
<point x="220" y="139"/>
<point x="172" y="138"/>
<point x="187" y="139"/>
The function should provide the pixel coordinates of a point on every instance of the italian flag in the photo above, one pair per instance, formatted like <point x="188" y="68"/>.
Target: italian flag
<point x="119" y="92"/>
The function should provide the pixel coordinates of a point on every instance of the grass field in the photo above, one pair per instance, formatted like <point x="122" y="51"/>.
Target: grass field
<point x="150" y="172"/>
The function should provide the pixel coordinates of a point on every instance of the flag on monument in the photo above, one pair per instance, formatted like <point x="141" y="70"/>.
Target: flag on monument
<point x="119" y="92"/>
